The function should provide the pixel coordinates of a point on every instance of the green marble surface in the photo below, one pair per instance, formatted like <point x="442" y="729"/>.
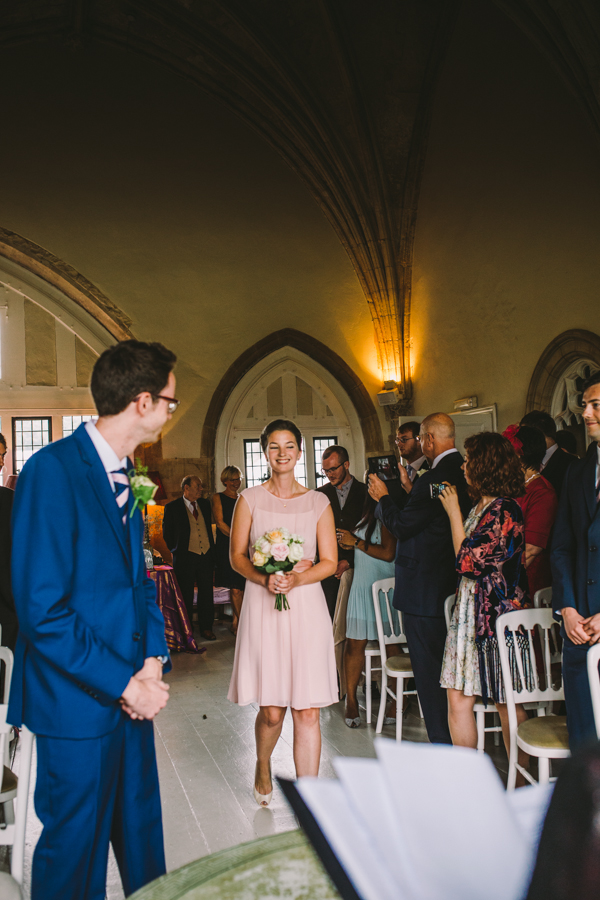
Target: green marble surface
<point x="281" y="865"/>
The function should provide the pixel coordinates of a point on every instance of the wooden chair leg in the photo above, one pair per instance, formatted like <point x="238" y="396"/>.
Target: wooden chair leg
<point x="368" y="687"/>
<point x="382" y="701"/>
<point x="544" y="769"/>
<point x="480" y="719"/>
<point x="512" y="765"/>
<point x="399" y="705"/>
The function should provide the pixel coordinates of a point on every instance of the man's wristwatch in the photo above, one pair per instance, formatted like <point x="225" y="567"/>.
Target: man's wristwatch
<point x="162" y="659"/>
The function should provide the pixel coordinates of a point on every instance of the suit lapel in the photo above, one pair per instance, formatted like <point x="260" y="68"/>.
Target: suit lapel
<point x="101" y="487"/>
<point x="589" y="480"/>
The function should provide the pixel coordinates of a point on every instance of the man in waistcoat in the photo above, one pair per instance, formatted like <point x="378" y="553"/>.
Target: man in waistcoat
<point x="188" y="534"/>
<point x="347" y="497"/>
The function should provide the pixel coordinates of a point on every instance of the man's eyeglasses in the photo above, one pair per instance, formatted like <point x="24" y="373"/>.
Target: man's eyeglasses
<point x="327" y="472"/>
<point x="405" y="440"/>
<point x="172" y="402"/>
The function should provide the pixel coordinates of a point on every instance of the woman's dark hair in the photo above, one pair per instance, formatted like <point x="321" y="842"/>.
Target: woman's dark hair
<point x="127" y="369"/>
<point x="368" y="519"/>
<point x="493" y="466"/>
<point x="534" y="446"/>
<point x="566" y="440"/>
<point x="279" y="425"/>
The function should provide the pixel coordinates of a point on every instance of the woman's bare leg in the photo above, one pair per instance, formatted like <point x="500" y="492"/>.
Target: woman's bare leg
<point x="307" y="741"/>
<point x="461" y="719"/>
<point x="267" y="729"/>
<point x="237" y="597"/>
<point x="354" y="663"/>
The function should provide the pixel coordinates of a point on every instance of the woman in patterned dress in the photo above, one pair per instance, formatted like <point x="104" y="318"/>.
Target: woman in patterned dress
<point x="489" y="547"/>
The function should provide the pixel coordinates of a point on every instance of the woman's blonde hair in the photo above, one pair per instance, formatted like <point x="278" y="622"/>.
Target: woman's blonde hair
<point x="229" y="473"/>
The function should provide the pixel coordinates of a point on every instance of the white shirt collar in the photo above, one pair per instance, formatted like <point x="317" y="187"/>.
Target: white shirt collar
<point x="189" y="504"/>
<point x="416" y="465"/>
<point x="548" y="454"/>
<point x="108" y="457"/>
<point x="442" y="455"/>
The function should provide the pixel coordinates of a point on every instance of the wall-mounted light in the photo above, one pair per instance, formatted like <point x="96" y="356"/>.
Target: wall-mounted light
<point x="391" y="393"/>
<point x="466" y="403"/>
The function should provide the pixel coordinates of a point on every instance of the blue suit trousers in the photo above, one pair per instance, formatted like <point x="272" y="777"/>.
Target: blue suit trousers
<point x="580" y="715"/>
<point x="91" y="792"/>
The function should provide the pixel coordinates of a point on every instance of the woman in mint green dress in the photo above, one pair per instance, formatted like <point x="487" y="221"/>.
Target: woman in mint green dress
<point x="375" y="549"/>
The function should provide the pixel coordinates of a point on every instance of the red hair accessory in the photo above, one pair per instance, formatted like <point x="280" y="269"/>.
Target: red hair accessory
<point x="510" y="434"/>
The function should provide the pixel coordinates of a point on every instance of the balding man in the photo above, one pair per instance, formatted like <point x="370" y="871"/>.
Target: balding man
<point x="426" y="564"/>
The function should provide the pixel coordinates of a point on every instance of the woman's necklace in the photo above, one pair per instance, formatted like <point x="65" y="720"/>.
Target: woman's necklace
<point x="531" y="477"/>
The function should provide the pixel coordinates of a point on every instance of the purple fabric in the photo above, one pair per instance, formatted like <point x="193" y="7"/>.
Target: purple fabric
<point x="178" y="631"/>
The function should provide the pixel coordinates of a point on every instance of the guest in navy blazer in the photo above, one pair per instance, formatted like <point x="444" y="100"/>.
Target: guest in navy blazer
<point x="426" y="564"/>
<point x="91" y="646"/>
<point x="575" y="563"/>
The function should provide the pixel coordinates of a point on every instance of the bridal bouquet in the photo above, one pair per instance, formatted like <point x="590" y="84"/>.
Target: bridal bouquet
<point x="278" y="551"/>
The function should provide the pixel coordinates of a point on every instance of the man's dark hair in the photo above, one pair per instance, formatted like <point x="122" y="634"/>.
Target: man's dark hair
<point x="533" y="446"/>
<point x="126" y="370"/>
<point x="279" y="425"/>
<point x="335" y="448"/>
<point x="591" y="381"/>
<point x="3" y="440"/>
<point x="413" y="427"/>
<point x="186" y="482"/>
<point x="542" y="420"/>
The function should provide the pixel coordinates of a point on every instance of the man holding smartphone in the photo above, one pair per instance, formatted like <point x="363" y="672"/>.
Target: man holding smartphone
<point x="426" y="564"/>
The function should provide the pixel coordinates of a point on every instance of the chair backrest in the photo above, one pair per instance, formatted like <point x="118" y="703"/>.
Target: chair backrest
<point x="6" y="656"/>
<point x="525" y="655"/>
<point x="593" y="658"/>
<point x="543" y="598"/>
<point x="15" y="834"/>
<point x="448" y="609"/>
<point x="385" y="588"/>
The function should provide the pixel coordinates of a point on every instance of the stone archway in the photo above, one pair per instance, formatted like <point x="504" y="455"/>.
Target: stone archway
<point x="562" y="352"/>
<point x="315" y="350"/>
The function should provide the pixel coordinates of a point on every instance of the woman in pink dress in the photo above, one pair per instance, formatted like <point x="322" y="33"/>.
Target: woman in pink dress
<point x="284" y="658"/>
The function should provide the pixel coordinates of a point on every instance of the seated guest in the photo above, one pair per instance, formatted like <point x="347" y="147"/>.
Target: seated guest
<point x="347" y="496"/>
<point x="375" y="549"/>
<point x="554" y="464"/>
<point x="489" y="548"/>
<point x="188" y="535"/>
<point x="538" y="504"/>
<point x="567" y="442"/>
<point x="223" y="505"/>
<point x="8" y="615"/>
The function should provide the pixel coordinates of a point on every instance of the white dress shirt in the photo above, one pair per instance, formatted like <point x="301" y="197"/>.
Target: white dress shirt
<point x="549" y="452"/>
<point x="442" y="455"/>
<point x="343" y="491"/>
<point x="415" y="466"/>
<point x="108" y="457"/>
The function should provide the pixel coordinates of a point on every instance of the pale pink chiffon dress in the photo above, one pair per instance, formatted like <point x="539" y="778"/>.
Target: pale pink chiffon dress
<point x="285" y="658"/>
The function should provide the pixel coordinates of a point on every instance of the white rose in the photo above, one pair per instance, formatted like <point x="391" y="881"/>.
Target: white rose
<point x="297" y="539"/>
<point x="264" y="547"/>
<point x="296" y="552"/>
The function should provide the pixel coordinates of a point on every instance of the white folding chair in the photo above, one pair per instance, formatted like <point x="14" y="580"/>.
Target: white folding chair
<point x="15" y="789"/>
<point x="398" y="667"/>
<point x="480" y="709"/>
<point x="545" y="736"/>
<point x="593" y="658"/>
<point x="543" y="598"/>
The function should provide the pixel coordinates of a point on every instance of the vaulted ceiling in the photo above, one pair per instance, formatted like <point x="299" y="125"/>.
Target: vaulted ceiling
<point x="341" y="88"/>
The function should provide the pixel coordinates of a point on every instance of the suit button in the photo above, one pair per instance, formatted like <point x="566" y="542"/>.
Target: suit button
<point x="136" y="635"/>
<point x="593" y="549"/>
<point x="591" y="581"/>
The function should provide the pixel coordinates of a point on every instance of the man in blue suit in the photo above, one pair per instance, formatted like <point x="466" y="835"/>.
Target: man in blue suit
<point x="576" y="571"/>
<point x="91" y="645"/>
<point x="426" y="565"/>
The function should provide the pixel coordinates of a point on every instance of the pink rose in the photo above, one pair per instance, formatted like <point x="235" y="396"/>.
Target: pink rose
<point x="279" y="552"/>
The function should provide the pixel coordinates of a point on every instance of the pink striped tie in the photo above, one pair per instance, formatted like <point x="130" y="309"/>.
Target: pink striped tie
<point x="121" y="483"/>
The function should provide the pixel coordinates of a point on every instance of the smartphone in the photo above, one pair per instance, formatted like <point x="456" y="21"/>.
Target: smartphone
<point x="436" y="489"/>
<point x="386" y="467"/>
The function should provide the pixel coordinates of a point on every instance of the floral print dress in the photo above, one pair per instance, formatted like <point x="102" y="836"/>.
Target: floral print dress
<point x="492" y="582"/>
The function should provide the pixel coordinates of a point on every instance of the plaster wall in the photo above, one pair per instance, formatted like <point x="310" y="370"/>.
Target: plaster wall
<point x="508" y="231"/>
<point x="177" y="211"/>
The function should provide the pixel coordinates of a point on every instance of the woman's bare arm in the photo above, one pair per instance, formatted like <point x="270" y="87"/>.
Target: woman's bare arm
<point x="217" y="511"/>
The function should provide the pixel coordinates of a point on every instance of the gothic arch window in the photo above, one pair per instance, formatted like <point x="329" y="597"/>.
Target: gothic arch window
<point x="287" y="384"/>
<point x="558" y="378"/>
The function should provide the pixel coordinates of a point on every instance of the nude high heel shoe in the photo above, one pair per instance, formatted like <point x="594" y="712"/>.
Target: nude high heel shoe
<point x="263" y="799"/>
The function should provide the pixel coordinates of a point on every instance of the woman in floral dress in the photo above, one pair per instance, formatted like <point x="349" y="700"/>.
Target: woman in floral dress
<point x="489" y="547"/>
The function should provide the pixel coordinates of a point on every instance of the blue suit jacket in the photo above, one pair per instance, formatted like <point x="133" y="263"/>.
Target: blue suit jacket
<point x="87" y="611"/>
<point x="425" y="557"/>
<point x="575" y="555"/>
